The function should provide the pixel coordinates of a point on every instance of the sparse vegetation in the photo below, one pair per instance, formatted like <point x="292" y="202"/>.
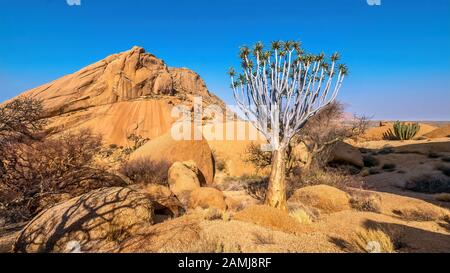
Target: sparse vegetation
<point x="136" y="141"/>
<point x="429" y="183"/>
<point x="301" y="216"/>
<point x="263" y="239"/>
<point x="323" y="131"/>
<point x="329" y="176"/>
<point x="220" y="162"/>
<point x="417" y="214"/>
<point x="402" y="131"/>
<point x="365" y="201"/>
<point x="146" y="170"/>
<point x="39" y="172"/>
<point x="373" y="241"/>
<point x="256" y="156"/>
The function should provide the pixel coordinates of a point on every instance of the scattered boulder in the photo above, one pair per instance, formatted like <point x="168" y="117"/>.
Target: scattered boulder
<point x="166" y="148"/>
<point x="183" y="179"/>
<point x="89" y="221"/>
<point x="207" y="198"/>
<point x="325" y="198"/>
<point x="347" y="154"/>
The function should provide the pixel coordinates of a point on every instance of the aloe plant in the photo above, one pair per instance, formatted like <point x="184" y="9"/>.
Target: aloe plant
<point x="403" y="131"/>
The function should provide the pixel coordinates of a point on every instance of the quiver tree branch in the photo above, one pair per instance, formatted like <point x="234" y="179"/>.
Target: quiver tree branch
<point x="279" y="89"/>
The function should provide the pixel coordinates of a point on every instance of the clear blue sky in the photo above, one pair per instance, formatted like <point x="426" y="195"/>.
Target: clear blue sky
<point x="398" y="53"/>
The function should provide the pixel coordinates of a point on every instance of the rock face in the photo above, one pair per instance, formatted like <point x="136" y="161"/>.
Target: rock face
<point x="183" y="179"/>
<point x="166" y="148"/>
<point x="325" y="198"/>
<point x="128" y="92"/>
<point x="207" y="198"/>
<point x="87" y="222"/>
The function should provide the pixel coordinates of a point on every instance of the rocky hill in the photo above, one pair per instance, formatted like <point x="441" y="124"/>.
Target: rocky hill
<point x="125" y="93"/>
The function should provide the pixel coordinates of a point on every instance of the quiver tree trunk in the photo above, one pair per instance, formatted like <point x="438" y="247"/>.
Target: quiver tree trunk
<point x="276" y="192"/>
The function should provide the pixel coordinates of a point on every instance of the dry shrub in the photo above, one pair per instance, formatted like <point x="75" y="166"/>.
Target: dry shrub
<point x="212" y="214"/>
<point x="332" y="177"/>
<point x="429" y="183"/>
<point x="219" y="162"/>
<point x="301" y="216"/>
<point x="443" y="197"/>
<point x="418" y="214"/>
<point x="256" y="156"/>
<point x="43" y="169"/>
<point x="325" y="129"/>
<point x="209" y="244"/>
<point x="269" y="217"/>
<point x="372" y="241"/>
<point x="146" y="170"/>
<point x="365" y="201"/>
<point x="263" y="239"/>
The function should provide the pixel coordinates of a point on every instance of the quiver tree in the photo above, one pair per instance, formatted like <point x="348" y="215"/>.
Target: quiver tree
<point x="278" y="90"/>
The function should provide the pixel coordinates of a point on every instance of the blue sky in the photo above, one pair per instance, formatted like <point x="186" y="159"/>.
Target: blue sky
<point x="398" y="53"/>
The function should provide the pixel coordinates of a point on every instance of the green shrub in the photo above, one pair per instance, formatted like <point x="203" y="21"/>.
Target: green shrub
<point x="402" y="131"/>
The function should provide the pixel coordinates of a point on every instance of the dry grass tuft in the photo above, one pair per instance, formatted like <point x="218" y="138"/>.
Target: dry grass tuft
<point x="263" y="239"/>
<point x="209" y="244"/>
<point x="372" y="241"/>
<point x="301" y="216"/>
<point x="418" y="214"/>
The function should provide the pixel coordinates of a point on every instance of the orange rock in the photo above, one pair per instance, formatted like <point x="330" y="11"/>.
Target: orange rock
<point x="207" y="198"/>
<point x="166" y="148"/>
<point x="325" y="198"/>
